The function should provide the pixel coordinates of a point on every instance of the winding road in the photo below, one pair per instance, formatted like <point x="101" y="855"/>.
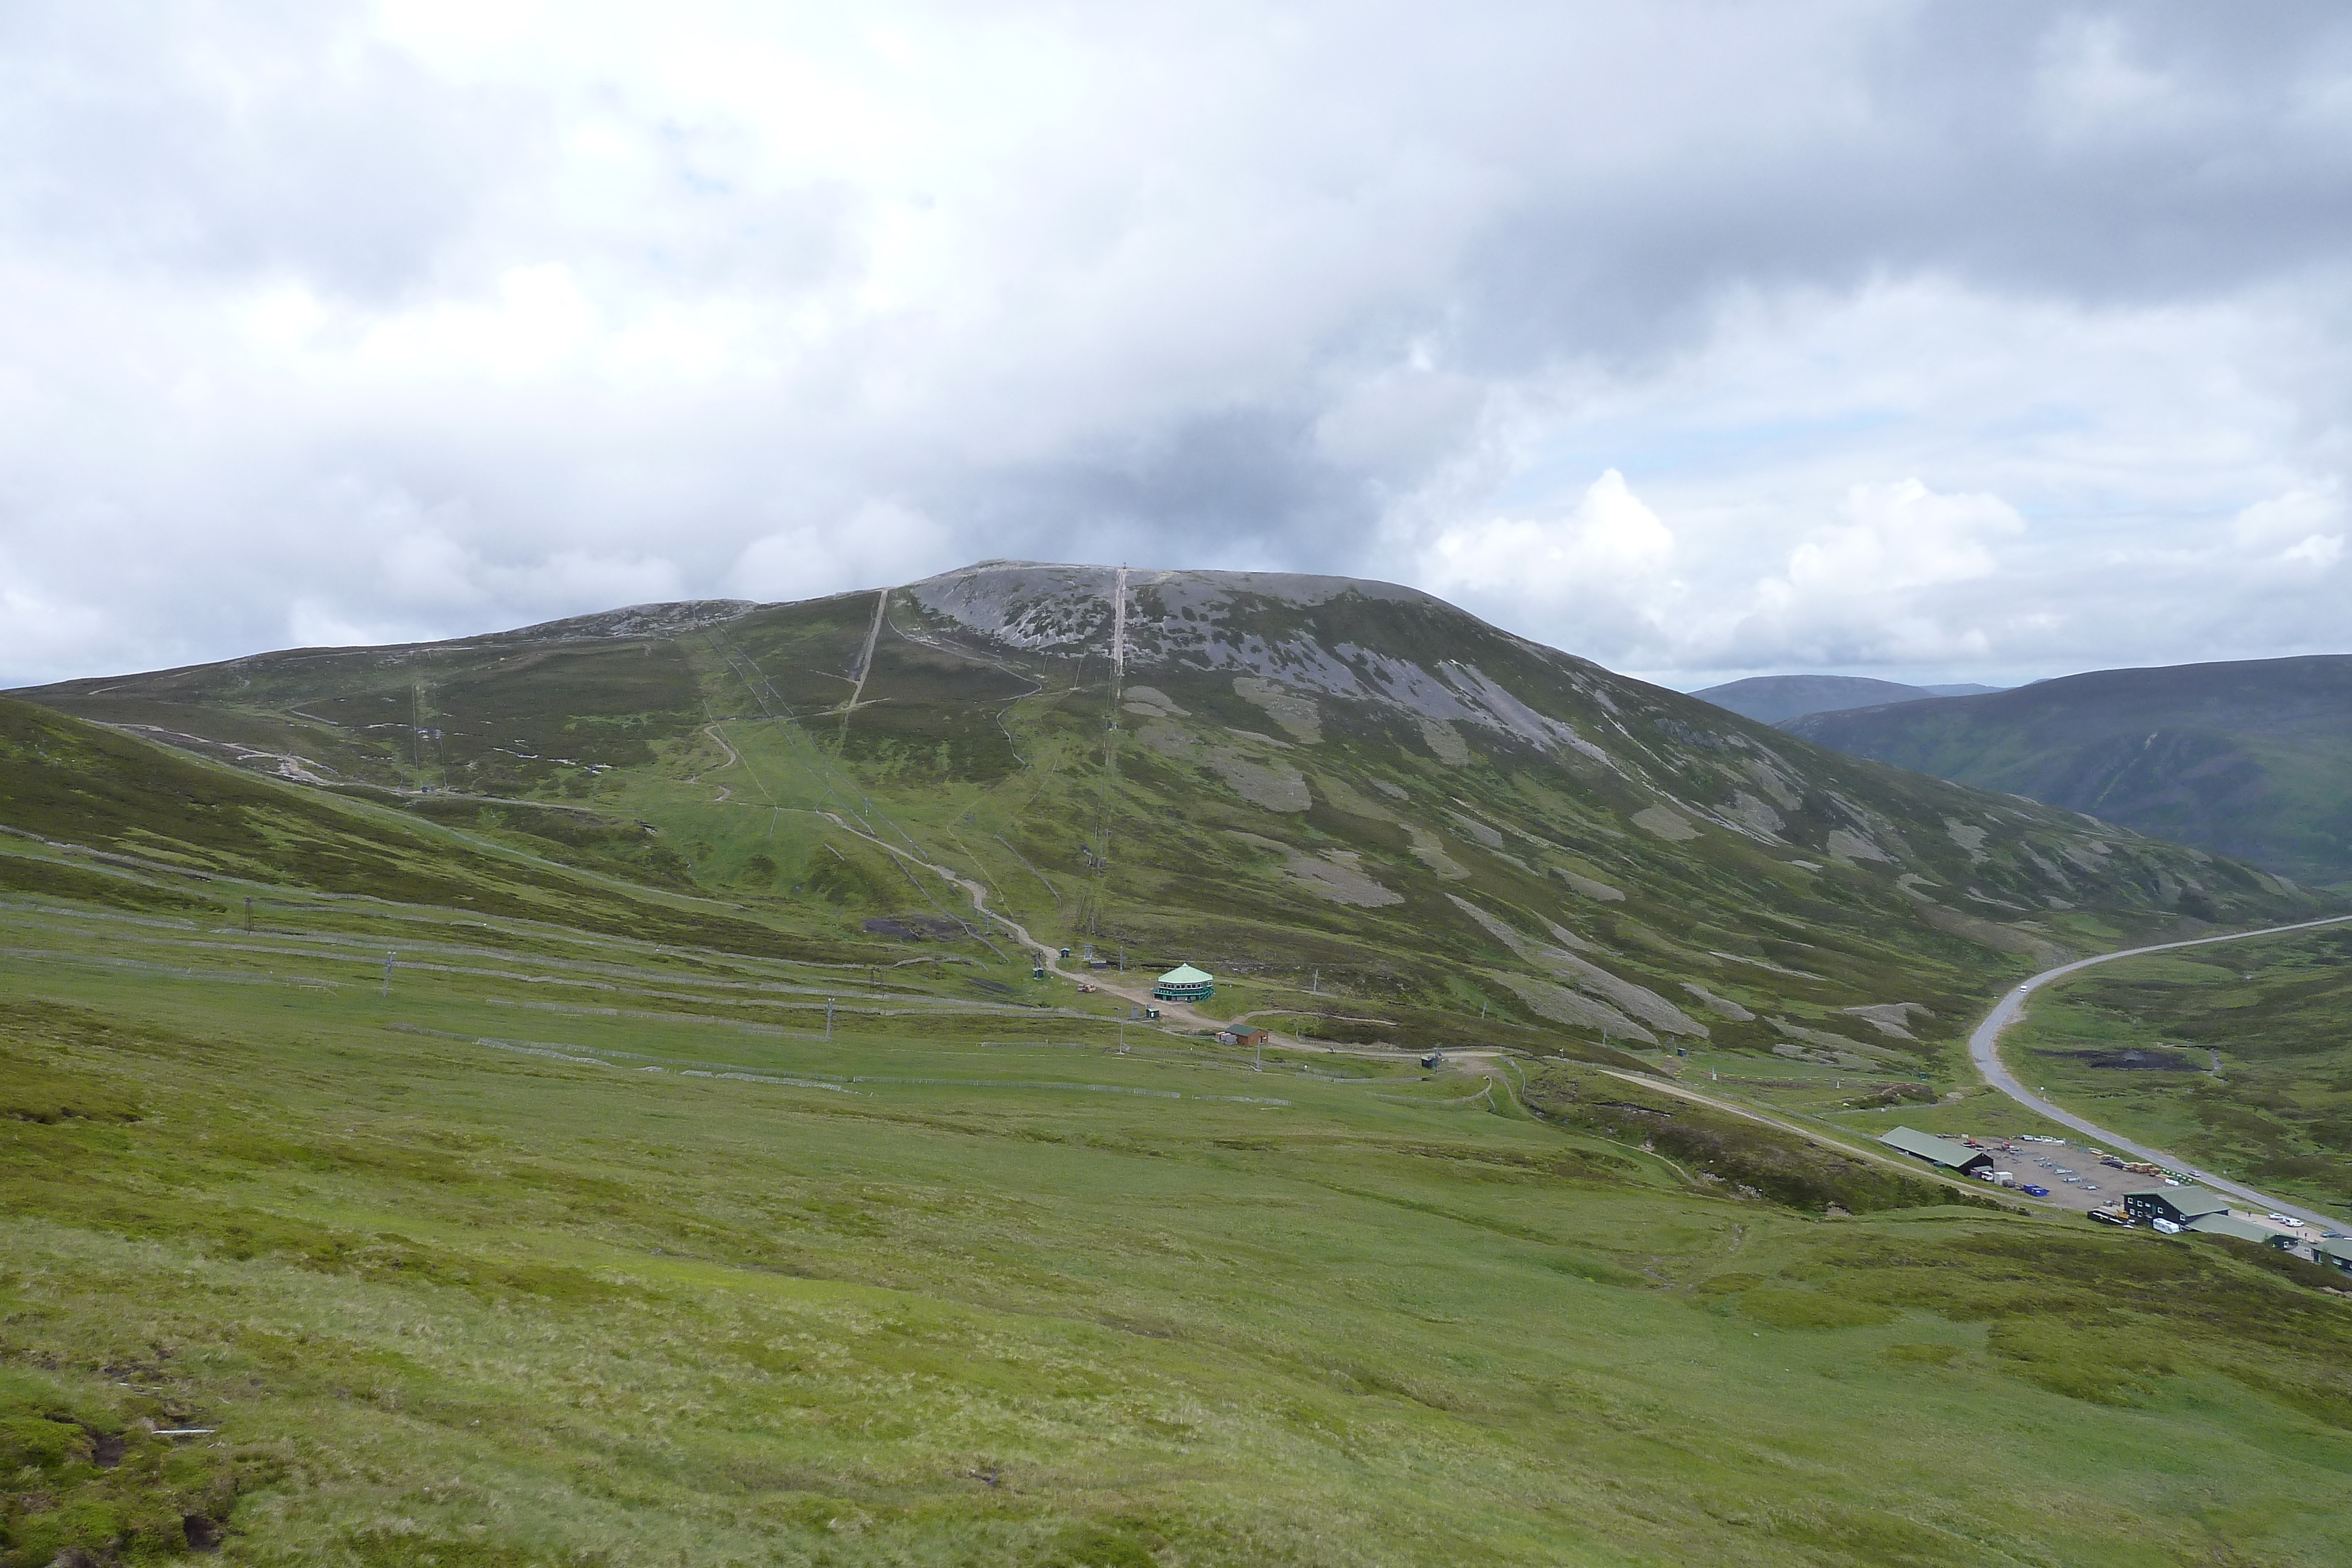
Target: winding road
<point x="1984" y="1050"/>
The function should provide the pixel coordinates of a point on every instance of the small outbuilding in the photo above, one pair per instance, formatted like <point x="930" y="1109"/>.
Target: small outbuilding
<point x="2336" y="1252"/>
<point x="1184" y="984"/>
<point x="1247" y="1034"/>
<point x="1950" y="1153"/>
<point x="2175" y="1205"/>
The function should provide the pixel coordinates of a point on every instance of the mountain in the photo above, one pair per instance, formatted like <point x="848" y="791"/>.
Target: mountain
<point x="1308" y="785"/>
<point x="1773" y="699"/>
<point x="547" y="1098"/>
<point x="2247" y="759"/>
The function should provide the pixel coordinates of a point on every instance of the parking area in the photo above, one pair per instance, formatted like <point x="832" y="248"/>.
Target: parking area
<point x="2079" y="1182"/>
<point x="2072" y="1172"/>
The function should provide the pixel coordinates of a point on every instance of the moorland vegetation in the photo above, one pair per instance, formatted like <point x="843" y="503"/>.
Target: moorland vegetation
<point x="581" y="1097"/>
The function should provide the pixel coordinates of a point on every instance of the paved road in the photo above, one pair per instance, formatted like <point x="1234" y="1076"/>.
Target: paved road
<point x="1984" y="1050"/>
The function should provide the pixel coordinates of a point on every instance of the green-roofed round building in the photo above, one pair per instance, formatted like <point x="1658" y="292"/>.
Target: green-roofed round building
<point x="1184" y="984"/>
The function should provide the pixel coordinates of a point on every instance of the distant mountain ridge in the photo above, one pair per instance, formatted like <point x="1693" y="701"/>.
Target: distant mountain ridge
<point x="1775" y="699"/>
<point x="2247" y="759"/>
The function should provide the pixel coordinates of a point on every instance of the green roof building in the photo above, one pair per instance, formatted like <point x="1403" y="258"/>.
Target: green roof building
<point x="2230" y="1224"/>
<point x="2336" y="1253"/>
<point x="1948" y="1152"/>
<point x="1184" y="984"/>
<point x="2175" y="1205"/>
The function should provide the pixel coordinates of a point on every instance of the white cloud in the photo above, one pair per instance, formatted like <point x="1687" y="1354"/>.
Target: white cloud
<point x="878" y="543"/>
<point x="2302" y="527"/>
<point x="1860" y="592"/>
<point x="2319" y="551"/>
<point x="1902" y="536"/>
<point x="1610" y="552"/>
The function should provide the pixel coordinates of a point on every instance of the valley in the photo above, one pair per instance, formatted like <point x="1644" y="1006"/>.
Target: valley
<point x="2247" y="758"/>
<point x="2235" y="1056"/>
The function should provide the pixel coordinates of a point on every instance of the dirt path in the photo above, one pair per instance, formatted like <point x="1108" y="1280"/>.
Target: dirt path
<point x="734" y="760"/>
<point x="1984" y="1050"/>
<point x="1139" y="994"/>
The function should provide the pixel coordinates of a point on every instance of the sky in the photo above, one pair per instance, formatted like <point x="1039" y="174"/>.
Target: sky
<point x="1933" y="341"/>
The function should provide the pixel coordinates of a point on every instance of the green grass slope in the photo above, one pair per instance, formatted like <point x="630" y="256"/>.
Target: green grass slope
<point x="574" y="1240"/>
<point x="1374" y="816"/>
<point x="2238" y="1056"/>
<point x="144" y="824"/>
<point x="2249" y="759"/>
<point x="426" y="1280"/>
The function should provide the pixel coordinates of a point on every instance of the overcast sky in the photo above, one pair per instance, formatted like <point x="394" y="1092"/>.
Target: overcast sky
<point x="1936" y="341"/>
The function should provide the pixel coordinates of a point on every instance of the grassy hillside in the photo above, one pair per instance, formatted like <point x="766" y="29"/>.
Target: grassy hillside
<point x="142" y="823"/>
<point x="615" y="1224"/>
<point x="2249" y="759"/>
<point x="1373" y="815"/>
<point x="433" y="1280"/>
<point x="2236" y="1056"/>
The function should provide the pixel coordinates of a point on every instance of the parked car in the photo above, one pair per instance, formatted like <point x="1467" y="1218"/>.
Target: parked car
<point x="2030" y="1190"/>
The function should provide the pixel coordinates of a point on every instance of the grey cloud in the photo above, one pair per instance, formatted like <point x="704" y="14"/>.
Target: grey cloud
<point x="1245" y="485"/>
<point x="1956" y="146"/>
<point x="242" y="139"/>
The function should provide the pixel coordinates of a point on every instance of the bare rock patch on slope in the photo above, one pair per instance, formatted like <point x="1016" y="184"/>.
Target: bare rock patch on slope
<point x="1342" y="795"/>
<point x="1636" y="999"/>
<point x="1849" y="847"/>
<point x="1153" y="703"/>
<point x="1298" y="715"/>
<point x="1337" y="874"/>
<point x="1561" y="1005"/>
<point x="1445" y="742"/>
<point x="1890" y="1017"/>
<point x="1666" y="822"/>
<point x="1430" y="851"/>
<point x="1600" y="891"/>
<point x="1713" y="1003"/>
<point x="1273" y="785"/>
